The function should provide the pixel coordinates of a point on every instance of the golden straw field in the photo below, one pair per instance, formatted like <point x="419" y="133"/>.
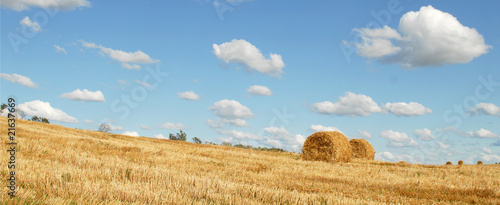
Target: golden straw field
<point x="59" y="165"/>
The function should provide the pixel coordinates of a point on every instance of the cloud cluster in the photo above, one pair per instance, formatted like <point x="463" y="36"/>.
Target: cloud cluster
<point x="424" y="134"/>
<point x="34" y="26"/>
<point x="481" y="133"/>
<point x="173" y="126"/>
<point x="398" y="139"/>
<point x="319" y="128"/>
<point x="243" y="52"/>
<point x="128" y="60"/>
<point x="43" y="109"/>
<point x="188" y="95"/>
<point x="60" y="49"/>
<point x="259" y="90"/>
<point x="131" y="133"/>
<point x="229" y="112"/>
<point x="48" y="4"/>
<point x="353" y="105"/>
<point x="486" y="109"/>
<point x="428" y="37"/>
<point x="15" y="78"/>
<point x="84" y="95"/>
<point x="280" y="137"/>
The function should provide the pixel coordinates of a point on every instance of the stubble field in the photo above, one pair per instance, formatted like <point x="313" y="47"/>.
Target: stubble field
<point x="59" y="165"/>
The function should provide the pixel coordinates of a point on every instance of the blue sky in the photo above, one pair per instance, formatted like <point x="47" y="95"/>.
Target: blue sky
<point x="418" y="79"/>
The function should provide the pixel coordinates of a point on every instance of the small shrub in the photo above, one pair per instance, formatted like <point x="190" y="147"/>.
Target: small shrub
<point x="196" y="140"/>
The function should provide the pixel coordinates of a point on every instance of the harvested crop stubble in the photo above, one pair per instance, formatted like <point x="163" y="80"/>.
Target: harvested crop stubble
<point x="330" y="146"/>
<point x="449" y="163"/>
<point x="401" y="163"/>
<point x="362" y="149"/>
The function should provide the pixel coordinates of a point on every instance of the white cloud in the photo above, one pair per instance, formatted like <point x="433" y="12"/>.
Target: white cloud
<point x="398" y="139"/>
<point x="387" y="156"/>
<point x="131" y="133"/>
<point x="428" y="37"/>
<point x="349" y="105"/>
<point x="123" y="82"/>
<point x="144" y="127"/>
<point x="487" y="109"/>
<point x="47" y="4"/>
<point x="43" y="109"/>
<point x="115" y="128"/>
<point x="243" y="52"/>
<point x="384" y="155"/>
<point x="172" y="126"/>
<point x="238" y="134"/>
<point x="407" y="109"/>
<point x="88" y="121"/>
<point x="15" y="78"/>
<point x="364" y="134"/>
<point x="424" y="134"/>
<point x="290" y="142"/>
<point x="59" y="49"/>
<point x="34" y="26"/>
<point x="482" y="133"/>
<point x="231" y="109"/>
<point x="488" y="151"/>
<point x="319" y="128"/>
<point x="159" y="136"/>
<point x="84" y="95"/>
<point x="259" y="90"/>
<point x="125" y="58"/>
<point x="443" y="145"/>
<point x="490" y="158"/>
<point x="143" y="83"/>
<point x="188" y="95"/>
<point x="272" y="143"/>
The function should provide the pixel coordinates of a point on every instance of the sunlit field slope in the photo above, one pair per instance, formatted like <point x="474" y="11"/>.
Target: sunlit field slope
<point x="59" y="165"/>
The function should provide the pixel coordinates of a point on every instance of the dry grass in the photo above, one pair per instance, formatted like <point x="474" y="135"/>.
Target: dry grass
<point x="449" y="163"/>
<point x="460" y="162"/>
<point x="362" y="149"/>
<point x="59" y="165"/>
<point x="329" y="146"/>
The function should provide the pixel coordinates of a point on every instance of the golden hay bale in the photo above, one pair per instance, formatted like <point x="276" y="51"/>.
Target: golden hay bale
<point x="330" y="146"/>
<point x="460" y="162"/>
<point x="362" y="149"/>
<point x="449" y="163"/>
<point x="479" y="162"/>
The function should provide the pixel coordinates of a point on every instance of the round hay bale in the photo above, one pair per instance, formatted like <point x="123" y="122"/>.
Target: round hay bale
<point x="479" y="162"/>
<point x="449" y="163"/>
<point x="362" y="149"/>
<point x="460" y="162"/>
<point x="329" y="146"/>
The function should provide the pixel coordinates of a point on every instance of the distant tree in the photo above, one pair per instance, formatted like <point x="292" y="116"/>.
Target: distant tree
<point x="196" y="140"/>
<point x="35" y="119"/>
<point x="3" y="106"/>
<point x="226" y="144"/>
<point x="181" y="136"/>
<point x="103" y="127"/>
<point x="172" y="137"/>
<point x="45" y="120"/>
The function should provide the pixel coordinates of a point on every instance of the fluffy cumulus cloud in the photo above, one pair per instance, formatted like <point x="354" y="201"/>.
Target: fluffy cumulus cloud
<point x="487" y="151"/>
<point x="43" y="109"/>
<point x="443" y="145"/>
<point x="490" y="158"/>
<point x="88" y="121"/>
<point x="319" y="128"/>
<point x="428" y="37"/>
<point x="486" y="109"/>
<point x="285" y="139"/>
<point x="173" y="126"/>
<point x="240" y="135"/>
<point x="159" y="136"/>
<point x="482" y="133"/>
<point x="229" y="112"/>
<point x="84" y="95"/>
<point x="243" y="52"/>
<point x="34" y="26"/>
<point x="188" y="95"/>
<point x="398" y="139"/>
<point x="131" y="133"/>
<point x="424" y="134"/>
<point x="259" y="90"/>
<point x="60" y="49"/>
<point x="363" y="134"/>
<point x="407" y="109"/>
<point x="128" y="60"/>
<point x="349" y="105"/>
<point x="15" y="78"/>
<point x="47" y="4"/>
<point x="387" y="156"/>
